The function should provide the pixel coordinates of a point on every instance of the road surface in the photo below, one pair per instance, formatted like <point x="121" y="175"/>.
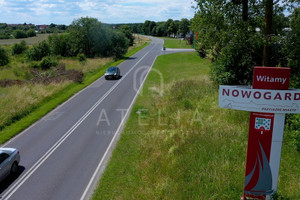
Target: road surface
<point x="64" y="153"/>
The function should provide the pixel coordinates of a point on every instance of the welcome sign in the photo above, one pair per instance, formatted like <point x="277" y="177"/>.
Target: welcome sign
<point x="257" y="100"/>
<point x="268" y="100"/>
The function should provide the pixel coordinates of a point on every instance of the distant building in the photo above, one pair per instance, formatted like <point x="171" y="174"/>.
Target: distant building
<point x="42" y="27"/>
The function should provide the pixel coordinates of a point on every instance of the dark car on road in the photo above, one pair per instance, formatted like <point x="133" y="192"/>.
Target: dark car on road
<point x="112" y="73"/>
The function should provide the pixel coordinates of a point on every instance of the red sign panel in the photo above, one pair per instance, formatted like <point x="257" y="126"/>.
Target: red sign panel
<point x="258" y="176"/>
<point x="276" y="78"/>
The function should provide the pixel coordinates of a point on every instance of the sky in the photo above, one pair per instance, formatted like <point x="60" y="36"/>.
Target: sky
<point x="107" y="11"/>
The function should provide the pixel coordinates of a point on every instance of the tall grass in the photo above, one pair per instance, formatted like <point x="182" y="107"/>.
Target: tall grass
<point x="23" y="105"/>
<point x="178" y="144"/>
<point x="90" y="65"/>
<point x="17" y="100"/>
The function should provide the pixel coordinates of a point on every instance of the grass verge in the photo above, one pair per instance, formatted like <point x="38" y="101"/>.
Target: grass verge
<point x="176" y="43"/>
<point x="35" y="112"/>
<point x="178" y="144"/>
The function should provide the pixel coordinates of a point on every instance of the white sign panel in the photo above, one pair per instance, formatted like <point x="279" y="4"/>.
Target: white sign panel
<point x="258" y="100"/>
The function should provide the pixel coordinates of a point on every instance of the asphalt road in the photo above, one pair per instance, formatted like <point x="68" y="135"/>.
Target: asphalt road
<point x="64" y="153"/>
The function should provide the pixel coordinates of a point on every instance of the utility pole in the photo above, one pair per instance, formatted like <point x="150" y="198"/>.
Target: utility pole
<point x="268" y="33"/>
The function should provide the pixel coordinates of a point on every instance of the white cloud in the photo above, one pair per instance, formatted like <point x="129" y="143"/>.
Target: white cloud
<point x="107" y="11"/>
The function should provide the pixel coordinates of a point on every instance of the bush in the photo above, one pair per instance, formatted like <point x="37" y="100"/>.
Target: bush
<point x="81" y="57"/>
<point x="60" y="44"/>
<point x="31" y="33"/>
<point x="38" y="51"/>
<point x="19" y="34"/>
<point x="19" y="48"/>
<point x="48" y="62"/>
<point x="4" y="59"/>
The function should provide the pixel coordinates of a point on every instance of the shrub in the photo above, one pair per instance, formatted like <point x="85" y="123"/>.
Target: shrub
<point x="81" y="57"/>
<point x="31" y="33"/>
<point x="19" y="48"/>
<point x="60" y="44"/>
<point x="38" y="51"/>
<point x="4" y="59"/>
<point x="48" y="62"/>
<point x="19" y="34"/>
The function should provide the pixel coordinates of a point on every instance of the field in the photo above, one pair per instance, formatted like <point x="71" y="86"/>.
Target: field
<point x="178" y="144"/>
<point x="21" y="105"/>
<point x="29" y="41"/>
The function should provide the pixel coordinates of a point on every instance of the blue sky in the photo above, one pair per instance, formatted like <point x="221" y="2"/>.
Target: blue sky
<point x="106" y="11"/>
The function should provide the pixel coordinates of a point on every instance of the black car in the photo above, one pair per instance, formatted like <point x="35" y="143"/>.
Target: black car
<point x="112" y="73"/>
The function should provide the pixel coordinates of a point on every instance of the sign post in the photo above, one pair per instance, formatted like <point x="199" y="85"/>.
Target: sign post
<point x="268" y="100"/>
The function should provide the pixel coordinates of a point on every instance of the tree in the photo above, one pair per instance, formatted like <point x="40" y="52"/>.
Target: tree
<point x="82" y="35"/>
<point x="167" y="27"/>
<point x="60" y="44"/>
<point x="128" y="33"/>
<point x="292" y="48"/>
<point x="146" y="27"/>
<point x="227" y="34"/>
<point x="92" y="38"/>
<point x="184" y="26"/>
<point x="120" y="45"/>
<point x="268" y="32"/>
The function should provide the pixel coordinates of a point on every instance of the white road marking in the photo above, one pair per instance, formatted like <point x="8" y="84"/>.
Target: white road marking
<point x="27" y="175"/>
<point x="85" y="194"/>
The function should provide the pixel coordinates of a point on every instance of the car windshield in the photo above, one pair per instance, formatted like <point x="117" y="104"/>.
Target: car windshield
<point x="111" y="69"/>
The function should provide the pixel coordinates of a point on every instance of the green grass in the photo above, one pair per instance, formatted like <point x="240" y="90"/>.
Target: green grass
<point x="178" y="144"/>
<point x="40" y="107"/>
<point x="176" y="43"/>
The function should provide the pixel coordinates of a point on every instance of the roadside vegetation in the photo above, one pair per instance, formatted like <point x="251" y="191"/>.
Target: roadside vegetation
<point x="36" y="78"/>
<point x="178" y="144"/>
<point x="176" y="43"/>
<point x="236" y="40"/>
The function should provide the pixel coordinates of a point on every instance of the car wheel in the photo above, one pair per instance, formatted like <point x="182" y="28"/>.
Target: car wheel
<point x="14" y="168"/>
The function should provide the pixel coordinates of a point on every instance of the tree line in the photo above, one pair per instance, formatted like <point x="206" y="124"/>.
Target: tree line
<point x="85" y="37"/>
<point x="240" y="34"/>
<point x="169" y="28"/>
<point x="10" y="31"/>
<point x="232" y="35"/>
